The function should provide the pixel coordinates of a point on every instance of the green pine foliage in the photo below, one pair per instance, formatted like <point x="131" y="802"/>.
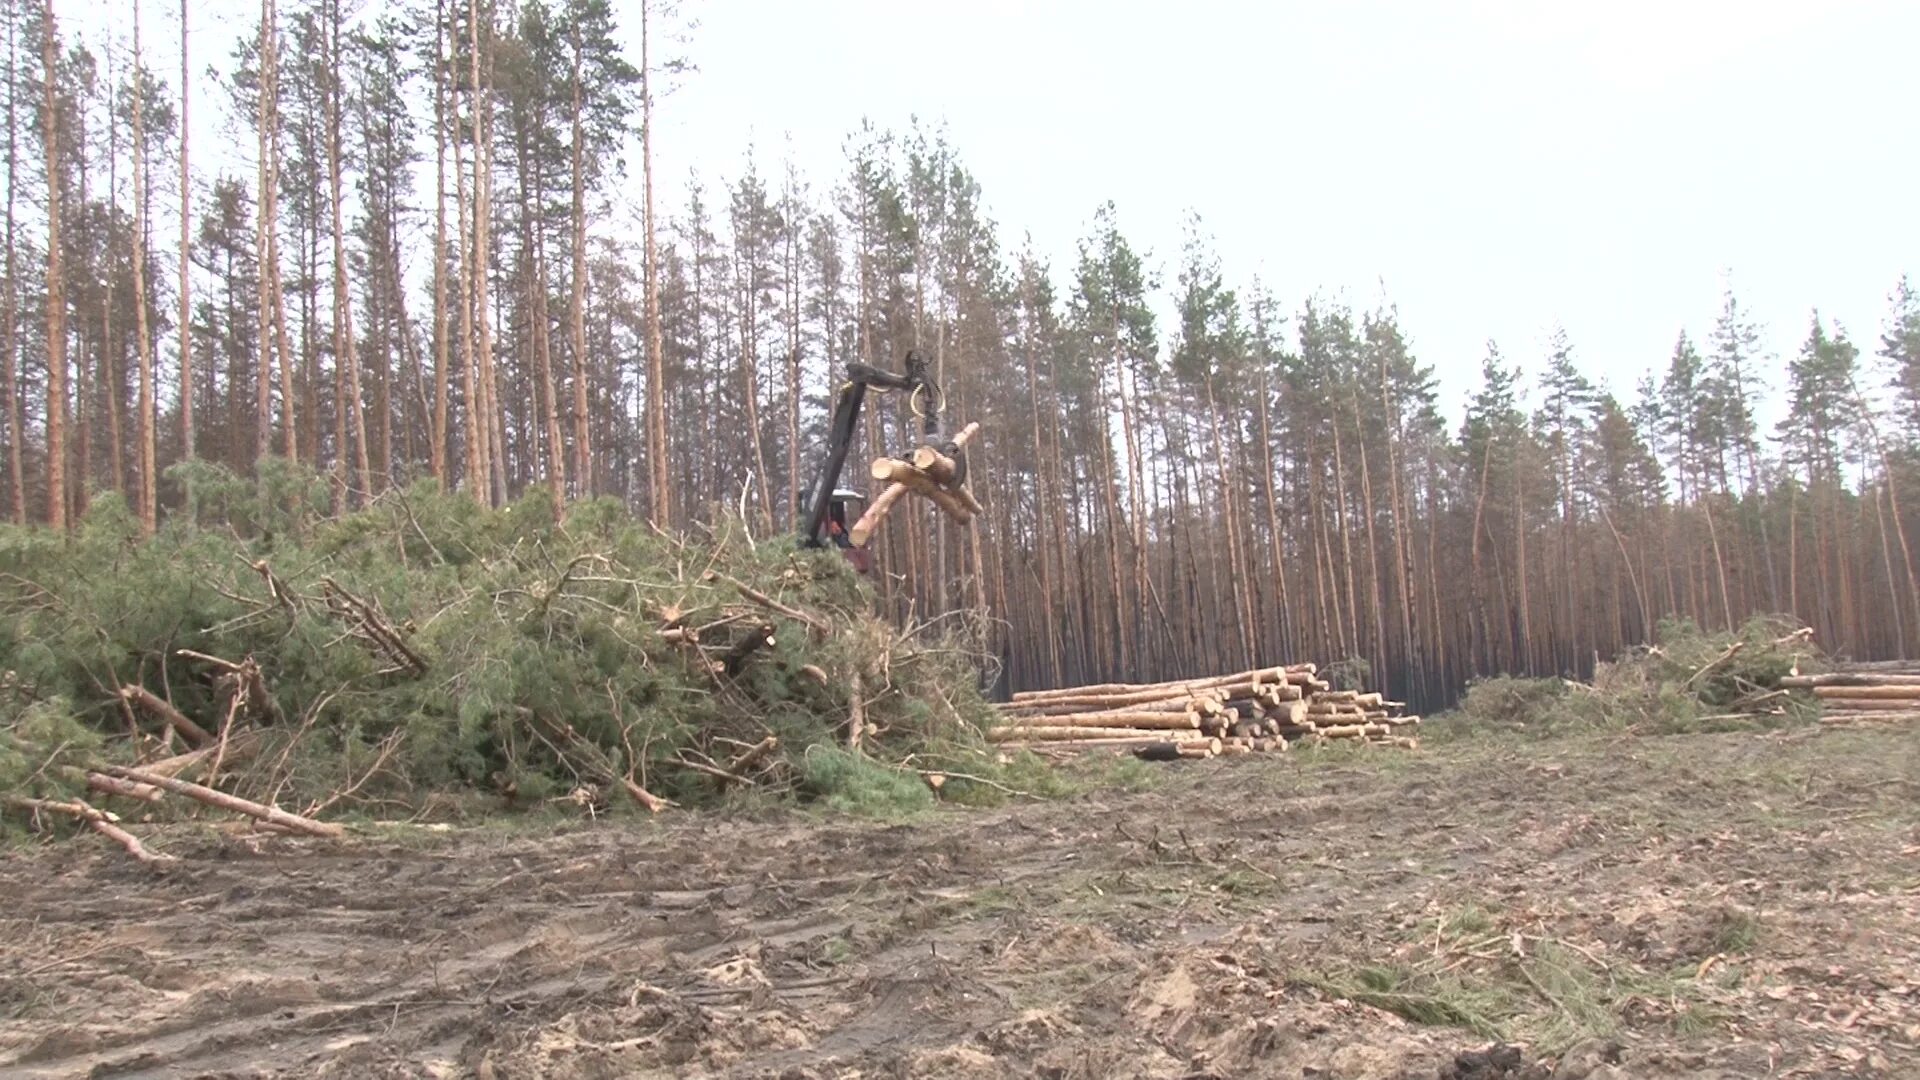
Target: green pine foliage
<point x="1688" y="680"/>
<point x="546" y="672"/>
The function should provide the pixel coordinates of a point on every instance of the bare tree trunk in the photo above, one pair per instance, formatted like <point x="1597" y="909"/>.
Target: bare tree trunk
<point x="110" y="379"/>
<point x="9" y="358"/>
<point x="661" y="514"/>
<point x="583" y="477"/>
<point x="263" y="208"/>
<point x="149" y="501"/>
<point x="488" y="416"/>
<point x="1480" y="656"/>
<point x="270" y="261"/>
<point x="56" y="291"/>
<point x="1276" y="540"/>
<point x="437" y="452"/>
<point x="543" y="358"/>
<point x="186" y="243"/>
<point x="344" y="348"/>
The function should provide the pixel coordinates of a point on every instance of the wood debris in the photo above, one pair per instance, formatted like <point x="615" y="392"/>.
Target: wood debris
<point x="1265" y="710"/>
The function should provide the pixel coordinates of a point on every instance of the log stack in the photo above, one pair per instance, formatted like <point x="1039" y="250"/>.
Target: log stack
<point x="1260" y="711"/>
<point x="1875" y="692"/>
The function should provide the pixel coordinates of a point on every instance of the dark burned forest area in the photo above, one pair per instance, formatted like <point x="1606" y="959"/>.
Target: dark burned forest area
<point x="426" y="647"/>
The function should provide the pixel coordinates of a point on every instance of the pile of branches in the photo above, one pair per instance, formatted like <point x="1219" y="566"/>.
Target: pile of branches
<point x="1260" y="711"/>
<point x="1687" y="679"/>
<point x="428" y="656"/>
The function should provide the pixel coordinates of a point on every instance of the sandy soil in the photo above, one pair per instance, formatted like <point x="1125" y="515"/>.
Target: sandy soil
<point x="1720" y="905"/>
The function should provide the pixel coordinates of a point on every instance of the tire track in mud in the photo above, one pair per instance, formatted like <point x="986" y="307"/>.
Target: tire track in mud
<point x="1072" y="927"/>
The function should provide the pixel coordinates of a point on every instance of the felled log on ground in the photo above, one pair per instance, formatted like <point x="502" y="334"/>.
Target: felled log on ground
<point x="1302" y="673"/>
<point x="1204" y="706"/>
<point x="99" y="821"/>
<point x="1115" y="699"/>
<point x="1872" y="717"/>
<point x="1848" y="678"/>
<point x="199" y="793"/>
<point x="1149" y="720"/>
<point x="1852" y="704"/>
<point x="1893" y="693"/>
<point x="1057" y="733"/>
<point x="160" y="710"/>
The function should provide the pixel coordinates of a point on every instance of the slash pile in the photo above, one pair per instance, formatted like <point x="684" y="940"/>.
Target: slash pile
<point x="1264" y="710"/>
<point x="1887" y="691"/>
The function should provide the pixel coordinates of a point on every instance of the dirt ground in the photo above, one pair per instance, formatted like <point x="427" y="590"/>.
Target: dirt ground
<point x="1732" y="905"/>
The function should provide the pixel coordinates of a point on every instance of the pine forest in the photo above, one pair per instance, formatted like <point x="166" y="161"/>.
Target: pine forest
<point x="443" y="262"/>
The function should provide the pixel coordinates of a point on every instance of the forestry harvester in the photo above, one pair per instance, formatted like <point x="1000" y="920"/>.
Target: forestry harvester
<point x="936" y="471"/>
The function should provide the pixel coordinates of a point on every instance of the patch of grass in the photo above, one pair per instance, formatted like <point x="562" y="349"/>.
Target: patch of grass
<point x="1581" y="1003"/>
<point x="1737" y="932"/>
<point x="1466" y="921"/>
<point x="1550" y="998"/>
<point x="1442" y="1000"/>
<point x="835" y="951"/>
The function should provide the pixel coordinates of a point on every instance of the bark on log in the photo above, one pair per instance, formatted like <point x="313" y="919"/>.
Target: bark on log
<point x="127" y="789"/>
<point x="1026" y="733"/>
<point x="856" y="714"/>
<point x="1198" y="706"/>
<point x="195" y="735"/>
<point x="1210" y="748"/>
<point x="919" y="483"/>
<point x="1301" y="673"/>
<point x="1078" y="706"/>
<point x="1870" y="719"/>
<point x="1853" y="704"/>
<point x="876" y="512"/>
<point x="648" y="799"/>
<point x="1158" y="751"/>
<point x="1891" y="693"/>
<point x="1291" y="712"/>
<point x="98" y="820"/>
<point x="1148" y="720"/>
<point x="241" y="747"/>
<point x="202" y="794"/>
<point x="752" y="755"/>
<point x="1115" y="700"/>
<point x="1074" y="746"/>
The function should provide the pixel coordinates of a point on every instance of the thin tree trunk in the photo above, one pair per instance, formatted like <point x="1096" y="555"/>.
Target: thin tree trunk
<point x="659" y="505"/>
<point x="583" y="477"/>
<point x="1275" y="539"/>
<point x="1719" y="562"/>
<point x="263" y="207"/>
<point x="149" y="498"/>
<point x="1525" y="644"/>
<point x="344" y="349"/>
<point x="56" y="290"/>
<point x="437" y="450"/>
<point x="9" y="349"/>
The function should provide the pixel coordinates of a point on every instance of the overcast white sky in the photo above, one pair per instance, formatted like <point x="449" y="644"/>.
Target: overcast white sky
<point x="1496" y="166"/>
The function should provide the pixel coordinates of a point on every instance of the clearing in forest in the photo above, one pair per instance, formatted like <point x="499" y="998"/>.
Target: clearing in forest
<point x="1588" y="905"/>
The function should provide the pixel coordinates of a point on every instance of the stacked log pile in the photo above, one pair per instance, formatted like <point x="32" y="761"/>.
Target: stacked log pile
<point x="1867" y="692"/>
<point x="1260" y="711"/>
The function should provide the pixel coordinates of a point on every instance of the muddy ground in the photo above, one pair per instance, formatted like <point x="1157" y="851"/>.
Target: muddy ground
<point x="1732" y="905"/>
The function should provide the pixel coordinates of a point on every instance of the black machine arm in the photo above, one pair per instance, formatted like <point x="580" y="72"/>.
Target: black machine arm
<point x="846" y="417"/>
